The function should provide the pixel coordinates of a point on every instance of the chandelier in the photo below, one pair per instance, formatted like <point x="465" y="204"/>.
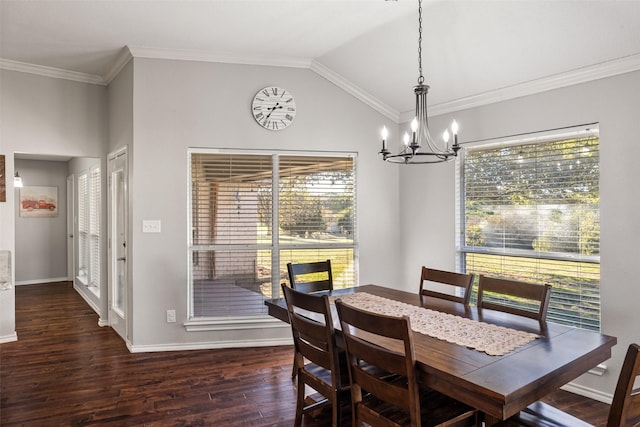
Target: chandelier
<point x="421" y="148"/>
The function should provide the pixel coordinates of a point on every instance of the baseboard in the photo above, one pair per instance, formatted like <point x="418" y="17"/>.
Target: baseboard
<point x="88" y="300"/>
<point x="9" y="338"/>
<point x="209" y="345"/>
<point x="588" y="392"/>
<point x="41" y="281"/>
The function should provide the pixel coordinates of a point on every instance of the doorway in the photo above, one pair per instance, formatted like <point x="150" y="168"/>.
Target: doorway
<point x="118" y="226"/>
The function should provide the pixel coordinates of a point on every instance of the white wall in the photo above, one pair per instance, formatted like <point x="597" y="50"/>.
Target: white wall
<point x="42" y="115"/>
<point x="428" y="201"/>
<point x="41" y="243"/>
<point x="191" y="104"/>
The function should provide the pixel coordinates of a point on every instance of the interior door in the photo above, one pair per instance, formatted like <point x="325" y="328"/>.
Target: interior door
<point x="71" y="221"/>
<point x="118" y="288"/>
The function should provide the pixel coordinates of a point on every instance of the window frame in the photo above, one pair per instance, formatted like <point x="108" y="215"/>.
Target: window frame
<point x="462" y="249"/>
<point x="89" y="236"/>
<point x="201" y="323"/>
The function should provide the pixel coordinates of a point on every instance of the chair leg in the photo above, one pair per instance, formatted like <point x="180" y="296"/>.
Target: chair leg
<point x="335" y="411"/>
<point x="341" y="399"/>
<point x="297" y="362"/>
<point x="299" y="402"/>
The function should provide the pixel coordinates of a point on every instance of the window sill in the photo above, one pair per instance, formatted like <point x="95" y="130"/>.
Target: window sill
<point x="234" y="323"/>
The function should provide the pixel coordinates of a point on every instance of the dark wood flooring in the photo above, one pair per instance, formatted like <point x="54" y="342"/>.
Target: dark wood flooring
<point x="67" y="371"/>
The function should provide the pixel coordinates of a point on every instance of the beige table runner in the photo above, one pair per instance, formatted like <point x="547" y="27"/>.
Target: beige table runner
<point x="491" y="339"/>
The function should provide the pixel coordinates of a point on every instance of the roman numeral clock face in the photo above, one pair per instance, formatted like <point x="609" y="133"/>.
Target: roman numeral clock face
<point x="273" y="108"/>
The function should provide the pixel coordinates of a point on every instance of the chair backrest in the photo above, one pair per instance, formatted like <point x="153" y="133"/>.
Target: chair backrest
<point x="538" y="294"/>
<point x="625" y="407"/>
<point x="312" y="329"/>
<point x="460" y="281"/>
<point x="311" y="276"/>
<point x="387" y="373"/>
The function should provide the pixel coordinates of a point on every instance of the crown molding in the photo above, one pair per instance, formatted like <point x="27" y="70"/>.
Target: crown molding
<point x="602" y="70"/>
<point x="123" y="59"/>
<point x="185" y="55"/>
<point x="354" y="90"/>
<point x="590" y="73"/>
<point x="56" y="73"/>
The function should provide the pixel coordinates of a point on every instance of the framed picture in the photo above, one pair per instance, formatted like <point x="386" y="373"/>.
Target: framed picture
<point x="3" y="185"/>
<point x="39" y="202"/>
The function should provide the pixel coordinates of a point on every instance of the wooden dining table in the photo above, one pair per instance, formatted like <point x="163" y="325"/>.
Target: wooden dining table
<point x="498" y="386"/>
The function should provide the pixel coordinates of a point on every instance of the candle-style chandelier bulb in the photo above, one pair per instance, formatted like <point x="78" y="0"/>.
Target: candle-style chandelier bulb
<point x="445" y="136"/>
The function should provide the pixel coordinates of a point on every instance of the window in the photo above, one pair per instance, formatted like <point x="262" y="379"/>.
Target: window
<point x="251" y="214"/>
<point x="530" y="211"/>
<point x="83" y="228"/>
<point x="89" y="229"/>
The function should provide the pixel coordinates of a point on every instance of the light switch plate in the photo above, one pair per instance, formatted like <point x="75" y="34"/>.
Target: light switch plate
<point x="151" y="226"/>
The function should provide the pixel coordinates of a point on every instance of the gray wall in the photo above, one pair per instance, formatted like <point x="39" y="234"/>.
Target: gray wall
<point x="179" y="104"/>
<point x="614" y="103"/>
<point x="121" y="135"/>
<point x="42" y="115"/>
<point x="406" y="215"/>
<point x="41" y="243"/>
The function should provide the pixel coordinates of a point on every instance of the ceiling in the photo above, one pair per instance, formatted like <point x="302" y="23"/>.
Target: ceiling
<point x="470" y="47"/>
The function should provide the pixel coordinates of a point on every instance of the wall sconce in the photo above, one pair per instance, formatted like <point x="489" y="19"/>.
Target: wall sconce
<point x="17" y="180"/>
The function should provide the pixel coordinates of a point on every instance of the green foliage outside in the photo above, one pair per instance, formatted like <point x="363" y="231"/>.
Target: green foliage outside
<point x="314" y="209"/>
<point x="539" y="203"/>
<point x="341" y="264"/>
<point x="573" y="293"/>
<point x="541" y="197"/>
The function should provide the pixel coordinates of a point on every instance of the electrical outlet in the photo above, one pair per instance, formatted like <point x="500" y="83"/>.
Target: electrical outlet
<point x="171" y="316"/>
<point x="151" y="226"/>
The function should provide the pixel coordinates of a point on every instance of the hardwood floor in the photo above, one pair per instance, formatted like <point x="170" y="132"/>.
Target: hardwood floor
<point x="67" y="371"/>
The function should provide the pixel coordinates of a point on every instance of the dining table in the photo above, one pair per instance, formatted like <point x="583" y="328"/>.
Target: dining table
<point x="498" y="385"/>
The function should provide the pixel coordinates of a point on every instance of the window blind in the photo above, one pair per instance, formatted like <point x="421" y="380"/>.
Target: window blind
<point x="94" y="228"/>
<point x="317" y="204"/>
<point x="531" y="212"/>
<point x="83" y="226"/>
<point x="253" y="213"/>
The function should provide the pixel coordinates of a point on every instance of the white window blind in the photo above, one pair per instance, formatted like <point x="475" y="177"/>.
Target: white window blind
<point x="83" y="227"/>
<point x="530" y="212"/>
<point x="251" y="212"/>
<point x="89" y="196"/>
<point x="94" y="228"/>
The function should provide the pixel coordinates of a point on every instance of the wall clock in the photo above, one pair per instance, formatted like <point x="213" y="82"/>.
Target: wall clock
<point x="273" y="108"/>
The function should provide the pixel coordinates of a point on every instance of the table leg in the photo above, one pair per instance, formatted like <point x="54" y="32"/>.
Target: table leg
<point x="488" y="420"/>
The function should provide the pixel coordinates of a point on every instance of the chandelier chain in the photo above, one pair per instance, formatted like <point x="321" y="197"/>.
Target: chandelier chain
<point x="421" y="77"/>
<point x="422" y="148"/>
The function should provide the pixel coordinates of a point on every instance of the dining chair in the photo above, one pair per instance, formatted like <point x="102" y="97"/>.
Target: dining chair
<point x="624" y="411"/>
<point x="317" y="361"/>
<point x="493" y="294"/>
<point x="311" y="276"/>
<point x="384" y="381"/>
<point x="460" y="281"/>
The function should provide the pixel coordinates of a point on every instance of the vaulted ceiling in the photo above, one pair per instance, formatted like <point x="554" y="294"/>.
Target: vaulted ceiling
<point x="471" y="48"/>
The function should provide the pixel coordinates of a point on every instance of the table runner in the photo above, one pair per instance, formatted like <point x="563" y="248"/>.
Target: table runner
<point x="491" y="339"/>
